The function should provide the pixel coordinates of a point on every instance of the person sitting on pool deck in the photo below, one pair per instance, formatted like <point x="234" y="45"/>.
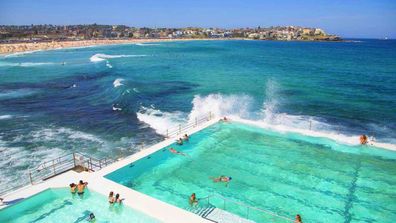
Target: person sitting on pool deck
<point x="186" y="137"/>
<point x="222" y="179"/>
<point x="363" y="139"/>
<point x="172" y="150"/>
<point x="118" y="199"/>
<point x="179" y="141"/>
<point x="81" y="187"/>
<point x="193" y="199"/>
<point x="111" y="197"/>
<point x="73" y="188"/>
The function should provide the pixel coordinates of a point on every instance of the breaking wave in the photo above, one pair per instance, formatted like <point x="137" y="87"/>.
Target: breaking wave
<point x="3" y="117"/>
<point x="9" y="94"/>
<point x="118" y="82"/>
<point x="147" y="44"/>
<point x="99" y="57"/>
<point x="159" y="120"/>
<point x="239" y="107"/>
<point x="24" y="64"/>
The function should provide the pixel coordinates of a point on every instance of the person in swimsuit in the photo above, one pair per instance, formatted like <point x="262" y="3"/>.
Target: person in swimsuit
<point x="118" y="199"/>
<point x="73" y="188"/>
<point x="179" y="141"/>
<point x="81" y="187"/>
<point x="193" y="199"/>
<point x="111" y="197"/>
<point x="363" y="139"/>
<point x="186" y="137"/>
<point x="223" y="179"/>
<point x="91" y="217"/>
<point x="298" y="219"/>
<point x="172" y="150"/>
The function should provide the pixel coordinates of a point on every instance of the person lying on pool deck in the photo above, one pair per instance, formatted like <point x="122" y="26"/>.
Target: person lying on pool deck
<point x="172" y="150"/>
<point x="222" y="179"/>
<point x="193" y="199"/>
<point x="81" y="187"/>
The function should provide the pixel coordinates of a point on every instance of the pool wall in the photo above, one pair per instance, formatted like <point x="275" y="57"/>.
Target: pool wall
<point x="147" y="205"/>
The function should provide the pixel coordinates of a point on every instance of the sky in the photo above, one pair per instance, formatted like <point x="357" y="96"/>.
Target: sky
<point x="347" y="18"/>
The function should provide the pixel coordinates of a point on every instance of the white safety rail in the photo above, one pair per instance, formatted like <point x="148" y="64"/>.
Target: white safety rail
<point x="84" y="162"/>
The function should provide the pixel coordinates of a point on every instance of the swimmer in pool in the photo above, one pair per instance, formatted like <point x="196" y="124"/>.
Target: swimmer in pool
<point x="91" y="217"/>
<point x="179" y="141"/>
<point x="223" y="179"/>
<point x="172" y="150"/>
<point x="81" y="187"/>
<point x="193" y="200"/>
<point x="298" y="219"/>
<point x="186" y="137"/>
<point x="73" y="188"/>
<point x="111" y="197"/>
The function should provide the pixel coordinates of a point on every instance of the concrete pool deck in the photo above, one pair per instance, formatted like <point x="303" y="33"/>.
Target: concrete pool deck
<point x="150" y="206"/>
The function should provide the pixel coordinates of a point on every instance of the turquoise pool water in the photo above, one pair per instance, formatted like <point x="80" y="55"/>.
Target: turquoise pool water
<point x="284" y="173"/>
<point x="58" y="205"/>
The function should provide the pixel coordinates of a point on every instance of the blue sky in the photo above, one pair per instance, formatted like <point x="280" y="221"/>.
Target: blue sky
<point x="348" y="18"/>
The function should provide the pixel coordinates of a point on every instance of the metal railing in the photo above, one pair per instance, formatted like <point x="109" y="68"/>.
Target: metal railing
<point x="57" y="166"/>
<point x="243" y="210"/>
<point x="71" y="161"/>
<point x="181" y="128"/>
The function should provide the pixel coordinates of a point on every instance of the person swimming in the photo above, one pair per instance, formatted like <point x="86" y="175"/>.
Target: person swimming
<point x="363" y="139"/>
<point x="118" y="199"/>
<point x="91" y="217"/>
<point x="224" y="119"/>
<point x="223" y="179"/>
<point x="81" y="187"/>
<point x="193" y="199"/>
<point x="73" y="188"/>
<point x="179" y="141"/>
<point x="111" y="197"/>
<point x="298" y="219"/>
<point x="172" y="150"/>
<point x="186" y="137"/>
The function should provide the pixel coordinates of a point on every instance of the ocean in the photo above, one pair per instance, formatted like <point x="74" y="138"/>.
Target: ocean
<point x="111" y="101"/>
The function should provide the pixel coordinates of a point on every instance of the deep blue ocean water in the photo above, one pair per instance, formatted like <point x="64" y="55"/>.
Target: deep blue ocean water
<point x="109" y="100"/>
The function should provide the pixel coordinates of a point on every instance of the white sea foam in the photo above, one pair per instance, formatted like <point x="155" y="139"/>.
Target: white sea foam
<point x="24" y="64"/>
<point x="116" y="108"/>
<point x="238" y="107"/>
<point x="158" y="120"/>
<point x="109" y="65"/>
<point x="147" y="44"/>
<point x="118" y="82"/>
<point x="99" y="57"/>
<point x="3" y="117"/>
<point x="21" y="53"/>
<point x="9" y="94"/>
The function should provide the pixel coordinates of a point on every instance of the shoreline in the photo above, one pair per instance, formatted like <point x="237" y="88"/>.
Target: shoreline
<point x="20" y="48"/>
<point x="7" y="49"/>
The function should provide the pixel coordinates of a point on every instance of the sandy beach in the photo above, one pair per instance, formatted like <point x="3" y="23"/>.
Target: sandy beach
<point x="27" y="47"/>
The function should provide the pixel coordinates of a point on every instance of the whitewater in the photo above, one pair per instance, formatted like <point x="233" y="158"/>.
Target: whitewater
<point x="108" y="101"/>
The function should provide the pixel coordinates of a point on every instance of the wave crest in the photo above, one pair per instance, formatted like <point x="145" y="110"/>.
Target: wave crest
<point x="99" y="57"/>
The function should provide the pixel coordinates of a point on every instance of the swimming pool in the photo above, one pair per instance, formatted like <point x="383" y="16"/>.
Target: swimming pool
<point x="285" y="173"/>
<point x="59" y="205"/>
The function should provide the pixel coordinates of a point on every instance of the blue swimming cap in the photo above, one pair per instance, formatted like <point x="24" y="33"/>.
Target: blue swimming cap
<point x="230" y="178"/>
